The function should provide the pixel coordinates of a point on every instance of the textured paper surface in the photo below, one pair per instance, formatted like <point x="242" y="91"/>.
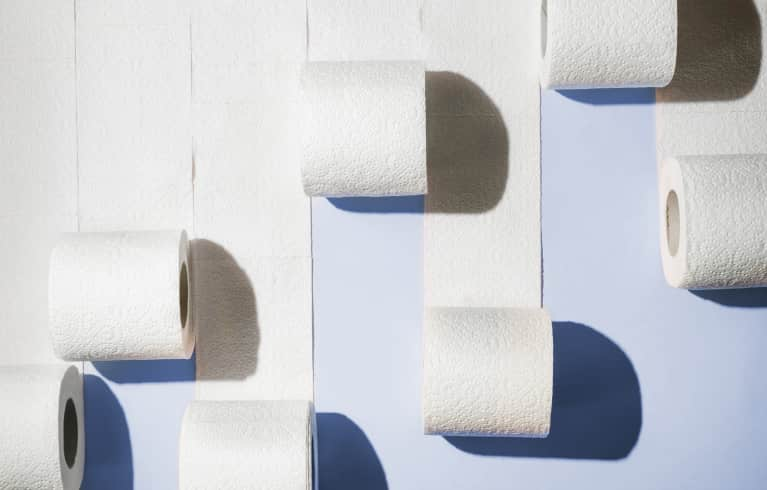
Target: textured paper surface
<point x="38" y="173"/>
<point x="258" y="445"/>
<point x="364" y="129"/>
<point x="608" y="43"/>
<point x="365" y="30"/>
<point x="121" y="296"/>
<point x="253" y="258"/>
<point x="487" y="371"/>
<point x="714" y="225"/>
<point x="717" y="102"/>
<point x="133" y="109"/>
<point x="482" y="225"/>
<point x="39" y="443"/>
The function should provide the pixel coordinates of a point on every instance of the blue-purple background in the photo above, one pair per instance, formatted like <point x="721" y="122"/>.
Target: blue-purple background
<point x="655" y="388"/>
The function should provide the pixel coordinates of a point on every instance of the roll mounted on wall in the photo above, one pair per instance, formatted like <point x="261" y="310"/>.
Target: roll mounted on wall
<point x="121" y="296"/>
<point x="42" y="427"/>
<point x="608" y="43"/>
<point x="713" y="216"/>
<point x="364" y="129"/>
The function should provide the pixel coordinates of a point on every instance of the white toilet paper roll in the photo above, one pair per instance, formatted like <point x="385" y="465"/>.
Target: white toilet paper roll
<point x="42" y="438"/>
<point x="123" y="295"/>
<point x="608" y="43"/>
<point x="257" y="445"/>
<point x="364" y="129"/>
<point x="714" y="221"/>
<point x="487" y="372"/>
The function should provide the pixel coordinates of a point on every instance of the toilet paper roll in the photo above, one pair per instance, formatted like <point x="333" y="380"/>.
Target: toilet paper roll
<point x="364" y="129"/>
<point x="608" y="43"/>
<point x="123" y="295"/>
<point x="487" y="372"/>
<point x="257" y="445"/>
<point x="714" y="221"/>
<point x="42" y="438"/>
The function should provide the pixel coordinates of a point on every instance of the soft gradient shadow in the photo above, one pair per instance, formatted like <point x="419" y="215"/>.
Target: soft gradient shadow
<point x="108" y="456"/>
<point x="467" y="146"/>
<point x="225" y="314"/>
<point x="467" y="153"/>
<point x="743" y="298"/>
<point x="617" y="96"/>
<point x="346" y="459"/>
<point x="720" y="51"/>
<point x="161" y="371"/>
<point x="597" y="405"/>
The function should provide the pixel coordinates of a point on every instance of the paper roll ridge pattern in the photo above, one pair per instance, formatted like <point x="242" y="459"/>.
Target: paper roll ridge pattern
<point x="713" y="221"/>
<point x="608" y="43"/>
<point x="121" y="295"/>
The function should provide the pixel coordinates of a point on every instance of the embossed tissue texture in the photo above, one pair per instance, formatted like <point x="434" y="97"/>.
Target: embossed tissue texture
<point x="482" y="227"/>
<point x="38" y="173"/>
<point x="43" y="443"/>
<point x="717" y="102"/>
<point x="364" y="131"/>
<point x="714" y="226"/>
<point x="608" y="43"/>
<point x="487" y="372"/>
<point x="133" y="115"/>
<point x="246" y="445"/>
<point x="252" y="219"/>
<point x="121" y="295"/>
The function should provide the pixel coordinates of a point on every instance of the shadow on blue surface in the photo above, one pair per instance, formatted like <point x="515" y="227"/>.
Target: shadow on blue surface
<point x="346" y="459"/>
<point x="597" y="405"/>
<point x="383" y="205"/>
<point x="108" y="456"/>
<point x="743" y="298"/>
<point x="612" y="96"/>
<point x="162" y="371"/>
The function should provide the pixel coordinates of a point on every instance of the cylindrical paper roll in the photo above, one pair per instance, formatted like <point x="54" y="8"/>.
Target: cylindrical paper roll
<point x="42" y="438"/>
<point x="124" y="295"/>
<point x="246" y="445"/>
<point x="608" y="43"/>
<point x="364" y="129"/>
<point x="714" y="221"/>
<point x="487" y="372"/>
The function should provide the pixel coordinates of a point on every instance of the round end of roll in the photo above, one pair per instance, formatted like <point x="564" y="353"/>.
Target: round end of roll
<point x="71" y="429"/>
<point x="186" y="296"/>
<point x="70" y="436"/>
<point x="183" y="295"/>
<point x="673" y="225"/>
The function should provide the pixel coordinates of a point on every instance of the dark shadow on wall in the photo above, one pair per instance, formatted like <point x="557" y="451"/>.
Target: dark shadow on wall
<point x="719" y="57"/>
<point x="108" y="456"/>
<point x="346" y="459"/>
<point x="162" y="371"/>
<point x="467" y="153"/>
<point x="720" y="51"/>
<point x="225" y="313"/>
<point x="597" y="406"/>
<point x="742" y="298"/>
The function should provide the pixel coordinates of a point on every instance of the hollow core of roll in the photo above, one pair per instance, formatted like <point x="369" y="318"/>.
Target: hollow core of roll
<point x="544" y="27"/>
<point x="70" y="433"/>
<point x="672" y="223"/>
<point x="183" y="294"/>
